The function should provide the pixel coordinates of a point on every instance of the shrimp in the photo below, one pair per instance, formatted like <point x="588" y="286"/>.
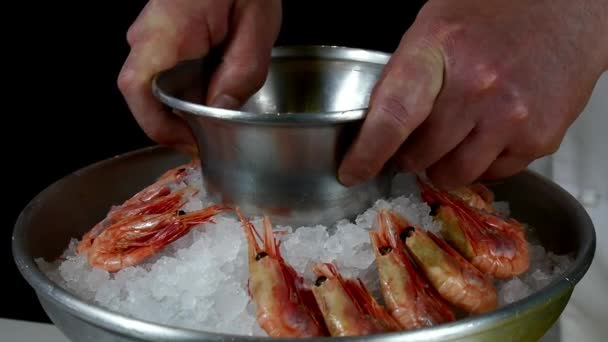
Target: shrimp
<point x="347" y="306"/>
<point x="155" y="198"/>
<point x="133" y="240"/>
<point x="494" y="244"/>
<point x="408" y="295"/>
<point x="456" y="280"/>
<point x="284" y="306"/>
<point x="161" y="187"/>
<point x="170" y="203"/>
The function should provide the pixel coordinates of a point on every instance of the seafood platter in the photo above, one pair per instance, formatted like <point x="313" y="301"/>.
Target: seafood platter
<point x="153" y="245"/>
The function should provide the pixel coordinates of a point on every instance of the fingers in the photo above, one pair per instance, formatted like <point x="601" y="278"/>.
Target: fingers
<point x="505" y="166"/>
<point x="254" y="28"/>
<point x="134" y="83"/>
<point x="165" y="33"/>
<point x="401" y="101"/>
<point x="446" y="127"/>
<point x="468" y="161"/>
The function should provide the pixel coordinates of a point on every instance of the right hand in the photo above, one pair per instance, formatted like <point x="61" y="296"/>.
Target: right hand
<point x="167" y="32"/>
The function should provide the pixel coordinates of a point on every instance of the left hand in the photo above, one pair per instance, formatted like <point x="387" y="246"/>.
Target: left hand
<point x="481" y="88"/>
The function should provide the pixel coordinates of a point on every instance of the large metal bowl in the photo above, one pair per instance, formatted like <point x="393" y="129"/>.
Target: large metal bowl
<point x="279" y="154"/>
<point x="72" y="205"/>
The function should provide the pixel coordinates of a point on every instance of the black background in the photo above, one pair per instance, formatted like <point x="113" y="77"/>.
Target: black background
<point x="58" y="129"/>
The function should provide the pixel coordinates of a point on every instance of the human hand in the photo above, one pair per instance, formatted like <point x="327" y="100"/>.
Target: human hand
<point x="479" y="89"/>
<point x="169" y="31"/>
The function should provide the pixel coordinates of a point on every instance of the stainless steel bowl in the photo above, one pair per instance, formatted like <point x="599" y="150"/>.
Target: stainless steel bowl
<point x="279" y="154"/>
<point x="69" y="207"/>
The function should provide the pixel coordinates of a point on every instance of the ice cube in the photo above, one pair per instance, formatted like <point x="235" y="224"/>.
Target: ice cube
<point x="513" y="290"/>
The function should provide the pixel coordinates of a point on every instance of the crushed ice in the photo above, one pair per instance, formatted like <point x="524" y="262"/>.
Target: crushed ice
<point x="200" y="281"/>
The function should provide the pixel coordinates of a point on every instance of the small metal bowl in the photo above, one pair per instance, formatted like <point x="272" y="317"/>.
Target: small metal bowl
<point x="279" y="155"/>
<point x="72" y="205"/>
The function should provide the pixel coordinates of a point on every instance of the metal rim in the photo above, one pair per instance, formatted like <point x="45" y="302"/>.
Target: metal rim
<point x="117" y="322"/>
<point x="305" y="51"/>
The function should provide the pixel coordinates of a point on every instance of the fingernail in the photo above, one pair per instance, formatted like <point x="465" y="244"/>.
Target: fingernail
<point x="226" y="102"/>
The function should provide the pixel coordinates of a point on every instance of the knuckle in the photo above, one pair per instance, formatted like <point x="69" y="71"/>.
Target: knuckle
<point x="445" y="29"/>
<point x="518" y="112"/>
<point x="511" y="108"/>
<point x="393" y="113"/>
<point x="124" y="81"/>
<point x="133" y="34"/>
<point x="483" y="78"/>
<point x="155" y="17"/>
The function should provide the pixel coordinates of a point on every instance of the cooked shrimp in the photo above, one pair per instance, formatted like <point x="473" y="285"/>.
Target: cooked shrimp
<point x="284" y="306"/>
<point x="161" y="187"/>
<point x="408" y="295"/>
<point x="167" y="204"/>
<point x="131" y="241"/>
<point x="476" y="195"/>
<point x="492" y="243"/>
<point x="156" y="198"/>
<point x="347" y="306"/>
<point x="455" y="279"/>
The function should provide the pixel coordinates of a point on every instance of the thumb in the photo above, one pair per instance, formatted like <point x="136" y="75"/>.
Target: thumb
<point x="401" y="100"/>
<point x="254" y="28"/>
